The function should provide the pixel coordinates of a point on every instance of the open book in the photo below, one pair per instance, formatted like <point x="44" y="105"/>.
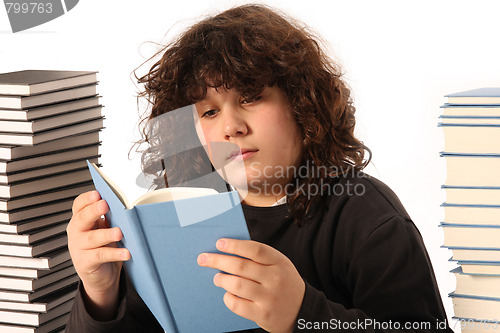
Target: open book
<point x="165" y="231"/>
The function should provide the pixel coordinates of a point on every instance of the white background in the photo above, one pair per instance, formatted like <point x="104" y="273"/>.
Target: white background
<point x="399" y="57"/>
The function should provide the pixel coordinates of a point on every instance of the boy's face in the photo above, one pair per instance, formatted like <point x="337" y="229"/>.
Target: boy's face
<point x="260" y="135"/>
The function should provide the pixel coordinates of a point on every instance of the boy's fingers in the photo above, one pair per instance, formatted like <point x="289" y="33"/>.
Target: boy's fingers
<point x="100" y="237"/>
<point x="240" y="306"/>
<point x="239" y="286"/>
<point x="84" y="200"/>
<point x="232" y="265"/>
<point x="104" y="255"/>
<point x="258" y="252"/>
<point x="86" y="218"/>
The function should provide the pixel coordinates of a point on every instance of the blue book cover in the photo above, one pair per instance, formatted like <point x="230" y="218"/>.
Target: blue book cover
<point x="446" y="154"/>
<point x="495" y="299"/>
<point x="481" y="96"/>
<point x="467" y="125"/>
<point x="480" y="92"/>
<point x="470" y="111"/>
<point x="165" y="239"/>
<point x="470" y="106"/>
<point x="468" y="248"/>
<point x="469" y="117"/>
<point x="471" y="187"/>
<point x="475" y="262"/>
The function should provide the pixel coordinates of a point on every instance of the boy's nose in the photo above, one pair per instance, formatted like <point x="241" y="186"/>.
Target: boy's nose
<point x="234" y="123"/>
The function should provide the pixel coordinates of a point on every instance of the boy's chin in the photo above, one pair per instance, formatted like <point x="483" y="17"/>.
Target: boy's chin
<point x="239" y="182"/>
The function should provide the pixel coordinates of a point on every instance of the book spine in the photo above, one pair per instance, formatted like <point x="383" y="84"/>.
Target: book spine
<point x="141" y="267"/>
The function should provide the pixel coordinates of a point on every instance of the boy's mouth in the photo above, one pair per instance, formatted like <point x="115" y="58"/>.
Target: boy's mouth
<point x="243" y="153"/>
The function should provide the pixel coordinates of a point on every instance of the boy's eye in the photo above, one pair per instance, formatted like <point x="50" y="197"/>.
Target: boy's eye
<point x="250" y="100"/>
<point x="210" y="114"/>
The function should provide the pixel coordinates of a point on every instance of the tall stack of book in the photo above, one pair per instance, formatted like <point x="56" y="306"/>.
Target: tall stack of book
<point x="49" y="127"/>
<point x="471" y="125"/>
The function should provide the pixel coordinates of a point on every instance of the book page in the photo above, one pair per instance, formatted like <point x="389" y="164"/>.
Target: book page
<point x="116" y="190"/>
<point x="164" y="194"/>
<point x="173" y="193"/>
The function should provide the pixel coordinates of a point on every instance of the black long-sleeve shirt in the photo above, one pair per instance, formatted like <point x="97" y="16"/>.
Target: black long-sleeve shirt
<point x="362" y="259"/>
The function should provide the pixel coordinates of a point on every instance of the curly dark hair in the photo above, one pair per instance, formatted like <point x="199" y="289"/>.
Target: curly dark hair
<point x="248" y="48"/>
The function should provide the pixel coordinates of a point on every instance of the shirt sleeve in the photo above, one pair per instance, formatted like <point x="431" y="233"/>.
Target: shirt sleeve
<point x="392" y="284"/>
<point x="132" y="314"/>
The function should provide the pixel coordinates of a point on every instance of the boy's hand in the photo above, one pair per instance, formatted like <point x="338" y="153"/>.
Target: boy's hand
<point x="265" y="286"/>
<point x="97" y="260"/>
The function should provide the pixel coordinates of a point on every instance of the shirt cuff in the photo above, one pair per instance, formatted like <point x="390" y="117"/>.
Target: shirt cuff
<point x="102" y="326"/>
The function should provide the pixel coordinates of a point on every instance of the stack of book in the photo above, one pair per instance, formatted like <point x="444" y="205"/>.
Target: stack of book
<point x="49" y="127"/>
<point x="471" y="125"/>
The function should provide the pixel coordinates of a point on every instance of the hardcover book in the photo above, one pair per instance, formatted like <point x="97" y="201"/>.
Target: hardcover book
<point x="467" y="214"/>
<point x="36" y="223"/>
<point x="23" y="102"/>
<point x="49" y="110"/>
<point x="476" y="285"/>
<point x="68" y="142"/>
<point x="469" y="137"/>
<point x="472" y="169"/>
<point x="475" y="267"/>
<point x="471" y="236"/>
<point x="48" y="261"/>
<point x="34" y="82"/>
<point x="478" y="254"/>
<point x="10" y="283"/>
<point x="44" y="183"/>
<point x="29" y="139"/>
<point x="44" y="304"/>
<point x="49" y="326"/>
<point x="34" y="174"/>
<point x="34" y="318"/>
<point x="26" y="296"/>
<point x="470" y="120"/>
<point x="165" y="231"/>
<point x="476" y="96"/>
<point x="453" y="110"/>
<point x="32" y="273"/>
<point x="45" y="196"/>
<point x="50" y="159"/>
<point x="474" y="195"/>
<point x="476" y="307"/>
<point x="34" y="250"/>
<point x="36" y="211"/>
<point x="47" y="123"/>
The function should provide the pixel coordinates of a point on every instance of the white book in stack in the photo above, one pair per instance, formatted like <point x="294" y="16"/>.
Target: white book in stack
<point x="49" y="127"/>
